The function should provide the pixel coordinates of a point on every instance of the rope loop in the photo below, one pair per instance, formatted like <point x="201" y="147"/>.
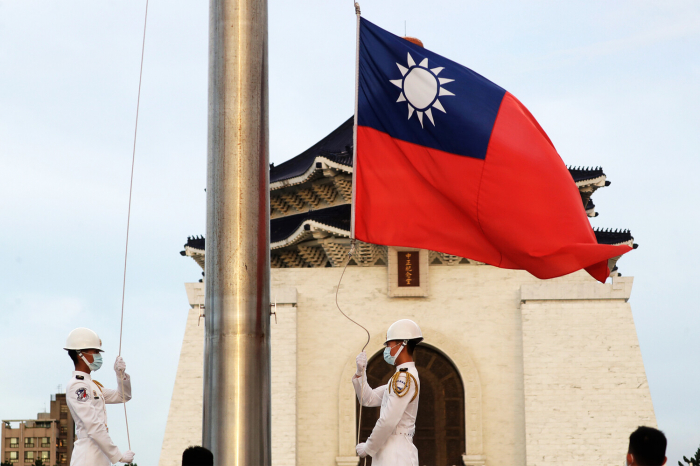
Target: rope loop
<point x="350" y="253"/>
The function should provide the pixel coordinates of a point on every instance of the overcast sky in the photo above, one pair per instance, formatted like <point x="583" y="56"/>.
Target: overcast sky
<point x="615" y="84"/>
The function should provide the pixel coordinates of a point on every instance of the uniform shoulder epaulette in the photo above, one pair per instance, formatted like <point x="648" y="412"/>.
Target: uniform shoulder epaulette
<point x="80" y="377"/>
<point x="99" y="386"/>
<point x="402" y="391"/>
<point x="403" y="369"/>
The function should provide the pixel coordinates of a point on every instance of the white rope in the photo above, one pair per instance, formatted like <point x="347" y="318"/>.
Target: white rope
<point x="359" y="420"/>
<point x="352" y="249"/>
<point x="128" y="219"/>
<point x="362" y="381"/>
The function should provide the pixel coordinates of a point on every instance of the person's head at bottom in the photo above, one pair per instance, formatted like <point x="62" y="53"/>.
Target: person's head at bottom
<point x="197" y="456"/>
<point x="647" y="447"/>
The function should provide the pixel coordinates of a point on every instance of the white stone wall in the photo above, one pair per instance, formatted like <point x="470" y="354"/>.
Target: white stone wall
<point x="284" y="377"/>
<point x="184" y="426"/>
<point x="585" y="385"/>
<point x="510" y="354"/>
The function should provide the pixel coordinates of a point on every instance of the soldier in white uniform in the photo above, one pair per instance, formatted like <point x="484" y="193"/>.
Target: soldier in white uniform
<point x="391" y="441"/>
<point x="87" y="398"/>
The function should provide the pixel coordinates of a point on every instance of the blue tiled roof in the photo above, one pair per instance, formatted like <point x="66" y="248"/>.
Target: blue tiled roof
<point x="337" y="146"/>
<point x="283" y="227"/>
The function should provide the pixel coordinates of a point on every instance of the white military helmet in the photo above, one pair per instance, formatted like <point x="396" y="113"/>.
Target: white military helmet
<point x="83" y="338"/>
<point x="404" y="329"/>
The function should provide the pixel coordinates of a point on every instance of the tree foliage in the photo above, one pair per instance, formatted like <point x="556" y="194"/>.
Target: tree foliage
<point x="694" y="461"/>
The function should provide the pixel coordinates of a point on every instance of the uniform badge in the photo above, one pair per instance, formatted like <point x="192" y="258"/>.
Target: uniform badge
<point x="82" y="394"/>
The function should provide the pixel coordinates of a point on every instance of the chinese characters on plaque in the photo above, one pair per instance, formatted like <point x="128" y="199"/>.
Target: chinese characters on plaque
<point x="409" y="268"/>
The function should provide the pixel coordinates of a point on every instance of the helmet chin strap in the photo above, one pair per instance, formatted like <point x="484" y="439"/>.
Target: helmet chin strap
<point x="403" y="345"/>
<point x="80" y="353"/>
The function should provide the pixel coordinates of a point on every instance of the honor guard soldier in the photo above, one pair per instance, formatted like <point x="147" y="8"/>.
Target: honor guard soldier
<point x="87" y="398"/>
<point x="391" y="441"/>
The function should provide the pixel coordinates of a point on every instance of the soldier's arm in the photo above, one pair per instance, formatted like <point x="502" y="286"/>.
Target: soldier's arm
<point x="370" y="397"/>
<point x="123" y="383"/>
<point x="115" y="396"/>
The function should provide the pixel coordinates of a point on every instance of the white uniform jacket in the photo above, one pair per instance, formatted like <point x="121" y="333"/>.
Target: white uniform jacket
<point x="391" y="441"/>
<point x="86" y="401"/>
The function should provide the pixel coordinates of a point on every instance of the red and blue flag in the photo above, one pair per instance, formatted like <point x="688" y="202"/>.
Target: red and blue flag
<point x="446" y="160"/>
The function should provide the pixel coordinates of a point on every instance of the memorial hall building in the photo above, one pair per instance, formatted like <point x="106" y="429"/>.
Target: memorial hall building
<point x="514" y="370"/>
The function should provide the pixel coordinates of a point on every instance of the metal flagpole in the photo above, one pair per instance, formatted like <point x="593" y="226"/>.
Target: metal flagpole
<point x="236" y="421"/>
<point x="354" y="126"/>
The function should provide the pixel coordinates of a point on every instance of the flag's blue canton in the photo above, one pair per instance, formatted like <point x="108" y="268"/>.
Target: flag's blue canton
<point x="465" y="128"/>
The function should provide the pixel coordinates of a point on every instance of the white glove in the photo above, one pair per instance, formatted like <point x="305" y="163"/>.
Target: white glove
<point x="360" y="449"/>
<point x="128" y="456"/>
<point x="361" y="361"/>
<point x="119" y="365"/>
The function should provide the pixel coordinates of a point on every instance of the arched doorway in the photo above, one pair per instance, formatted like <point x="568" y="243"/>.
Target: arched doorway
<point x="440" y="424"/>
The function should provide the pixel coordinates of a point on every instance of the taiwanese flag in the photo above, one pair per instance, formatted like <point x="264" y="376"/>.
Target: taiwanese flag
<point x="446" y="160"/>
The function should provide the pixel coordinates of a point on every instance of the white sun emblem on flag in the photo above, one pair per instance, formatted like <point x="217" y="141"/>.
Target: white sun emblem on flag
<point x="420" y="88"/>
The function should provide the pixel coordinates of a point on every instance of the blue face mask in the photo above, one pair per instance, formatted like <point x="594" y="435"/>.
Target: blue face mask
<point x="96" y="361"/>
<point x="389" y="358"/>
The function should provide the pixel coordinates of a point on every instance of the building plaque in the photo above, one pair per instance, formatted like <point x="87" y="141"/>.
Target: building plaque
<point x="409" y="268"/>
<point x="407" y="272"/>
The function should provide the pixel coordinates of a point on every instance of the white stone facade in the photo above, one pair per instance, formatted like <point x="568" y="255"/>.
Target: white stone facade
<point x="552" y="370"/>
<point x="184" y="427"/>
<point x="585" y="386"/>
<point x="284" y="376"/>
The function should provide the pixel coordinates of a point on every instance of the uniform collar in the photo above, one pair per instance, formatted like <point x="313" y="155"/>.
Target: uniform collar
<point x="85" y="375"/>
<point x="405" y="365"/>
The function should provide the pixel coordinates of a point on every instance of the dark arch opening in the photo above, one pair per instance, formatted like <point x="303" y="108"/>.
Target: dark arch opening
<point x="440" y="424"/>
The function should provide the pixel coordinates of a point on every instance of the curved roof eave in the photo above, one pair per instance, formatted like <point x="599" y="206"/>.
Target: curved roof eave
<point x="336" y="147"/>
<point x="302" y="233"/>
<point x="309" y="173"/>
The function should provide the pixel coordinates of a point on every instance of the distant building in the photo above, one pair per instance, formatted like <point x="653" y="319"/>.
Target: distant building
<point x="48" y="438"/>
<point x="514" y="370"/>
